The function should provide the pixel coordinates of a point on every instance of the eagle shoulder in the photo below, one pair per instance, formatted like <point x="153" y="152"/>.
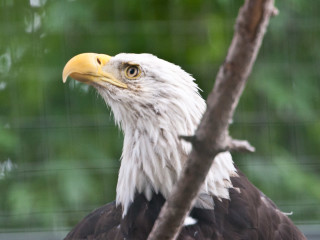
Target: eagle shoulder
<point x="102" y="223"/>
<point x="248" y="214"/>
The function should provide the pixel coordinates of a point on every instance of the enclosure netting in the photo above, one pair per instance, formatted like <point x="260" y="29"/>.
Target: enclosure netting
<point x="59" y="146"/>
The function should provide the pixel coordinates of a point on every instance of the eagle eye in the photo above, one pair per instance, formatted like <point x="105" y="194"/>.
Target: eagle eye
<point x="133" y="71"/>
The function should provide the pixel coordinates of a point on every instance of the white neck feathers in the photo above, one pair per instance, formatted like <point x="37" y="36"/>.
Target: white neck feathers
<point x="153" y="155"/>
<point x="152" y="119"/>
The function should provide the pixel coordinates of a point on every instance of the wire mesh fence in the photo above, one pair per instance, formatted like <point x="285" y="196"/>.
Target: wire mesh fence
<point x="59" y="147"/>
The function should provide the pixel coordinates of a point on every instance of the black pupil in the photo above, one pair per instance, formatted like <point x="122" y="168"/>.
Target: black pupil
<point x="132" y="71"/>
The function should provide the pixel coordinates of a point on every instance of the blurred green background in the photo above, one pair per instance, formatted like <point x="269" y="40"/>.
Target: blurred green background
<point x="59" y="147"/>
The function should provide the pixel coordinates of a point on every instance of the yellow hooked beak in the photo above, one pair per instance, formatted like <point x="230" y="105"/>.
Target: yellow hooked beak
<point x="87" y="68"/>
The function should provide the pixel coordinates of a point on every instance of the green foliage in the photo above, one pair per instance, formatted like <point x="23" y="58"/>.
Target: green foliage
<point x="62" y="141"/>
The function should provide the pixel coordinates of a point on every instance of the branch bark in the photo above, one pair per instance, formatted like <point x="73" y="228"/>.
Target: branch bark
<point x="212" y="135"/>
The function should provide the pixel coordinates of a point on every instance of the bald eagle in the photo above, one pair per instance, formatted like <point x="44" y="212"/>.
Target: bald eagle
<point x="154" y="102"/>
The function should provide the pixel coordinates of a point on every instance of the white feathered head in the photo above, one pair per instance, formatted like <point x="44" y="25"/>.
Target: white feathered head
<point x="154" y="102"/>
<point x="139" y="86"/>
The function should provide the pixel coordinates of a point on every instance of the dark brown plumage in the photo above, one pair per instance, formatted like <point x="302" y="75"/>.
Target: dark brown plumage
<point x="244" y="216"/>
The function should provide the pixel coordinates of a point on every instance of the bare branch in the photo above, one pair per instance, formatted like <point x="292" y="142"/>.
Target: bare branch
<point x="212" y="134"/>
<point x="240" y="146"/>
<point x="275" y="12"/>
<point x="231" y="145"/>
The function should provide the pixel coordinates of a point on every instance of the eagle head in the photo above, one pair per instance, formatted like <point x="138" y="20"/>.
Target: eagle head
<point x="153" y="102"/>
<point x="139" y="86"/>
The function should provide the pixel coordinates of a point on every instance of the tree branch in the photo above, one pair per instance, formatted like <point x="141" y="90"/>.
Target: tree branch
<point x="212" y="135"/>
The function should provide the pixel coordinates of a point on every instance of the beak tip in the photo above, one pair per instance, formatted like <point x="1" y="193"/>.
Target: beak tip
<point x="64" y="79"/>
<point x="66" y="73"/>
